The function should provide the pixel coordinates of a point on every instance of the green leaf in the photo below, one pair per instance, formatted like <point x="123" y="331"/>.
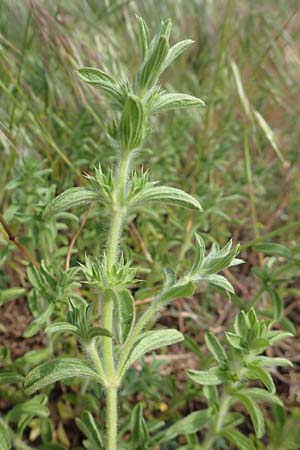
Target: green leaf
<point x="234" y="340"/>
<point x="176" y="291"/>
<point x="138" y="426"/>
<point x="175" y="101"/>
<point x="210" y="377"/>
<point x="125" y="311"/>
<point x="34" y="407"/>
<point x="199" y="256"/>
<point x="10" y="377"/>
<point x="254" y="412"/>
<point x="216" y="348"/>
<point x="238" y="439"/>
<point x="277" y="303"/>
<point x="97" y="331"/>
<point x="132" y="125"/>
<point x="153" y="65"/>
<point x="188" y="425"/>
<point x="144" y="37"/>
<point x="7" y="295"/>
<point x="274" y="362"/>
<point x="89" y="428"/>
<point x="39" y="322"/>
<point x="216" y="280"/>
<point x="262" y="395"/>
<point x="175" y="52"/>
<point x="5" y="440"/>
<point x="255" y="372"/>
<point x="56" y="370"/>
<point x="166" y="195"/>
<point x="273" y="249"/>
<point x="71" y="198"/>
<point x="102" y="80"/>
<point x="153" y="340"/>
<point x="61" y="327"/>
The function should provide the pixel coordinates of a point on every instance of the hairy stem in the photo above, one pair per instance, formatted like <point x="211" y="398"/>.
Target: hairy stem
<point x="114" y="236"/>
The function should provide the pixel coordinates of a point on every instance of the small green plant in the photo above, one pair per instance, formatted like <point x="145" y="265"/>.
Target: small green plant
<point x="111" y="332"/>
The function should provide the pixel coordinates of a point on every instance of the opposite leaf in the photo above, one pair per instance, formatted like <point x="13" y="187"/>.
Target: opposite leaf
<point x="71" y="198"/>
<point x="56" y="370"/>
<point x="5" y="441"/>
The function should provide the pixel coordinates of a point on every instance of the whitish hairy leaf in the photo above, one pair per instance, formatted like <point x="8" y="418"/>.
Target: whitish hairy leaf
<point x="153" y="65"/>
<point x="254" y="412"/>
<point x="175" y="101"/>
<point x="61" y="327"/>
<point x="199" y="256"/>
<point x="176" y="291"/>
<point x="238" y="439"/>
<point x="56" y="370"/>
<point x="166" y="195"/>
<point x="217" y="280"/>
<point x="125" y="311"/>
<point x="262" y="395"/>
<point x="144" y="37"/>
<point x="153" y="340"/>
<point x="175" y="52"/>
<point x="269" y="133"/>
<point x="132" y="125"/>
<point x="188" y="425"/>
<point x="102" y="80"/>
<point x="274" y="362"/>
<point x="5" y="441"/>
<point x="71" y="198"/>
<point x="216" y="348"/>
<point x="255" y="372"/>
<point x="88" y="426"/>
<point x="211" y="377"/>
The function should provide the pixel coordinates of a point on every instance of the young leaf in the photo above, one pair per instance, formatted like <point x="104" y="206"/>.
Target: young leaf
<point x="238" y="439"/>
<point x="274" y="362"/>
<point x="216" y="280"/>
<point x="153" y="340"/>
<point x="132" y="125"/>
<point x="88" y="426"/>
<point x="104" y="81"/>
<point x="56" y="370"/>
<point x="39" y="322"/>
<point x="61" y="327"/>
<point x="175" y="52"/>
<point x="216" y="348"/>
<point x="7" y="295"/>
<point x="138" y="426"/>
<point x="254" y="412"/>
<point x="125" y="311"/>
<point x="210" y="377"/>
<point x="153" y="65"/>
<point x="144" y="37"/>
<point x="175" y="101"/>
<point x="166" y="195"/>
<point x="71" y="198"/>
<point x="255" y="372"/>
<point x="199" y="256"/>
<point x="258" y="394"/>
<point x="10" y="377"/>
<point x="176" y="291"/>
<point x="5" y="440"/>
<point x="188" y="425"/>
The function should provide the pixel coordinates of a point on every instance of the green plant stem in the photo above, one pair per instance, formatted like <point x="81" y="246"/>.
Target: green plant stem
<point x="115" y="231"/>
<point x="223" y="410"/>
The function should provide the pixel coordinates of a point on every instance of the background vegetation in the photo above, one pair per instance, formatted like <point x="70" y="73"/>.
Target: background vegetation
<point x="239" y="156"/>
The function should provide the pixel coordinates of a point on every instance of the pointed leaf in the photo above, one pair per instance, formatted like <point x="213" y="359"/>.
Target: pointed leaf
<point x="102" y="80"/>
<point x="166" y="195"/>
<point x="152" y="67"/>
<point x="56" y="370"/>
<point x="188" y="425"/>
<point x="5" y="440"/>
<point x="238" y="439"/>
<point x="216" y="348"/>
<point x="39" y="322"/>
<point x="71" y="198"/>
<point x="144" y="37"/>
<point x="199" y="256"/>
<point x="132" y="125"/>
<point x="175" y="101"/>
<point x="258" y="394"/>
<point x="176" y="51"/>
<point x="10" y="377"/>
<point x="255" y="372"/>
<point x="153" y="340"/>
<point x="89" y="428"/>
<point x="177" y="291"/>
<point x="254" y="412"/>
<point x="61" y="327"/>
<point x="125" y="310"/>
<point x="210" y="377"/>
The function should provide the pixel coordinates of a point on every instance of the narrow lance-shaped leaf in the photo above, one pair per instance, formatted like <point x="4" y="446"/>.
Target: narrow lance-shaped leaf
<point x="104" y="81"/>
<point x="71" y="198"/>
<point x="125" y="311"/>
<point x="211" y="377"/>
<point x="199" y="256"/>
<point x="256" y="372"/>
<point x="217" y="280"/>
<point x="152" y="67"/>
<point x="88" y="426"/>
<point x="216" y="348"/>
<point x="254" y="412"/>
<point x="144" y="37"/>
<point x="56" y="370"/>
<point x="258" y="394"/>
<point x="5" y="440"/>
<point x="166" y="195"/>
<point x="132" y="125"/>
<point x="10" y="377"/>
<point x="175" y="101"/>
<point x="179" y="290"/>
<point x="153" y="340"/>
<point x="238" y="439"/>
<point x="175" y="52"/>
<point x="188" y="425"/>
